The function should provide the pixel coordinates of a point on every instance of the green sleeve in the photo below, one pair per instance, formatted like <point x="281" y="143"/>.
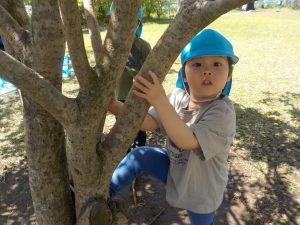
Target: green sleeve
<point x="146" y="48"/>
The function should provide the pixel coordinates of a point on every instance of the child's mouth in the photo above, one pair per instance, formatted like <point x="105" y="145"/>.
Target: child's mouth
<point x="206" y="82"/>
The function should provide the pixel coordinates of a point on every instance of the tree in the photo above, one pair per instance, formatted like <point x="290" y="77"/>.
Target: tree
<point x="295" y="4"/>
<point x="155" y="6"/>
<point x="159" y="7"/>
<point x="33" y="62"/>
<point x="149" y="7"/>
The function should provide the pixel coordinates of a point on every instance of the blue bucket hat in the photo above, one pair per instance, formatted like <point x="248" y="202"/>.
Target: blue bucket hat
<point x="207" y="43"/>
<point x="139" y="29"/>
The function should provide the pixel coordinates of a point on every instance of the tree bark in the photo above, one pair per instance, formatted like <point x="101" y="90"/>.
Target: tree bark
<point x="48" y="178"/>
<point x="45" y="140"/>
<point x="44" y="135"/>
<point x="72" y="26"/>
<point x="13" y="33"/>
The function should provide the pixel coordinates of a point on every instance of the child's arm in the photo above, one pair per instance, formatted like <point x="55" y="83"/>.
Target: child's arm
<point x="181" y="135"/>
<point x="115" y="107"/>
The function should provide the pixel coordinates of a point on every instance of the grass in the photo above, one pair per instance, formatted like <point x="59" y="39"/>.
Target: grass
<point x="264" y="184"/>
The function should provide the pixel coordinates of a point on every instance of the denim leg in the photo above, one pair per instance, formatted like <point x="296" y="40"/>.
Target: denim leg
<point x="201" y="219"/>
<point x="150" y="161"/>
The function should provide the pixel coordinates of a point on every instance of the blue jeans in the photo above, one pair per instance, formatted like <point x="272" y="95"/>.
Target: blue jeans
<point x="154" y="162"/>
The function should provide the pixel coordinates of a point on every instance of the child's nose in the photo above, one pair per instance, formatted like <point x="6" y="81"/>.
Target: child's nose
<point x="207" y="71"/>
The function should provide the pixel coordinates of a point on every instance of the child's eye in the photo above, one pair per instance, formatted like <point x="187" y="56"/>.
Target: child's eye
<point x="197" y="65"/>
<point x="217" y="64"/>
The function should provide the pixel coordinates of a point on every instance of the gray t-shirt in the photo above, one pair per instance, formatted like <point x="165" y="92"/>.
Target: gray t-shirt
<point x="197" y="178"/>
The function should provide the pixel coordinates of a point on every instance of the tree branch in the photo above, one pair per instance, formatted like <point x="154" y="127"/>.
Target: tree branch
<point x="119" y="39"/>
<point x="48" y="34"/>
<point x="17" y="37"/>
<point x="114" y="53"/>
<point x="39" y="89"/>
<point x="72" y="24"/>
<point x="116" y="47"/>
<point x="17" y="10"/>
<point x="192" y="17"/>
<point x="94" y="30"/>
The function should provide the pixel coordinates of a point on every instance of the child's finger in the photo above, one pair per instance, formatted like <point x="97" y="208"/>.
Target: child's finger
<point x="139" y="94"/>
<point x="139" y="86"/>
<point x="144" y="81"/>
<point x="154" y="77"/>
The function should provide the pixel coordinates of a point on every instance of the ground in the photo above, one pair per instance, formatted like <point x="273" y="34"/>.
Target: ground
<point x="244" y="190"/>
<point x="256" y="193"/>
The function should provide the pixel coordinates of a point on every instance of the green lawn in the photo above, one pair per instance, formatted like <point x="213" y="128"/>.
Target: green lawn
<point x="264" y="184"/>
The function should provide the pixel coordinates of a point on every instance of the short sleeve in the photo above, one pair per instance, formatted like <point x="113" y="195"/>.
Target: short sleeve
<point x="216" y="128"/>
<point x="175" y="99"/>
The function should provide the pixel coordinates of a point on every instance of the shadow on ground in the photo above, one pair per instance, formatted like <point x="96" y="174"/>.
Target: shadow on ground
<point x="263" y="187"/>
<point x="16" y="204"/>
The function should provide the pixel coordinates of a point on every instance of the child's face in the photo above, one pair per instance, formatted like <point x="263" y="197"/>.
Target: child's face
<point x="206" y="76"/>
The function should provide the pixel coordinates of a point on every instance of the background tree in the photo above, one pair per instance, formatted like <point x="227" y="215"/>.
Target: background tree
<point x="101" y="10"/>
<point x="33" y="63"/>
<point x="295" y="4"/>
<point x="148" y="7"/>
<point x="159" y="7"/>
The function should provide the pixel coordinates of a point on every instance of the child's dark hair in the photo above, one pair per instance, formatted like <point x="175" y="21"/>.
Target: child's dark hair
<point x="230" y="66"/>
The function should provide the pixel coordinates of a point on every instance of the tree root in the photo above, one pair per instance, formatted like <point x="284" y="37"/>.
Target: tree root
<point x="119" y="211"/>
<point x="100" y="214"/>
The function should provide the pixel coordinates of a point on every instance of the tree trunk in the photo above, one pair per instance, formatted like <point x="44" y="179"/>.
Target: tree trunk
<point x="45" y="140"/>
<point x="85" y="169"/>
<point x="45" y="150"/>
<point x="295" y="4"/>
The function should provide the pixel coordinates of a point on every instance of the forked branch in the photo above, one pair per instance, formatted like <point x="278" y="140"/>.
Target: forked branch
<point x="39" y="89"/>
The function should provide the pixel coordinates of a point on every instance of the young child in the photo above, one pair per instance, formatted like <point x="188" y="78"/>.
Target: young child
<point x="199" y="124"/>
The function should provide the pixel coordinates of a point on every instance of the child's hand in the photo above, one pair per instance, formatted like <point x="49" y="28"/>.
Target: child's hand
<point x="154" y="93"/>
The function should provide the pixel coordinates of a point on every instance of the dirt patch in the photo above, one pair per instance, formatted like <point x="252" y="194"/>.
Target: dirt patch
<point x="16" y="205"/>
<point x="263" y="187"/>
<point x="252" y="197"/>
